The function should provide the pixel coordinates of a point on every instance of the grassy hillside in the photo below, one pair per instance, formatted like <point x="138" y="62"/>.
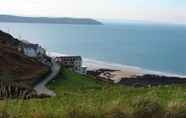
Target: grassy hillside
<point x="84" y="97"/>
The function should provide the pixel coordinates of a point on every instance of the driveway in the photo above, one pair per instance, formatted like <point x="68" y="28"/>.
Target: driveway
<point x="41" y="87"/>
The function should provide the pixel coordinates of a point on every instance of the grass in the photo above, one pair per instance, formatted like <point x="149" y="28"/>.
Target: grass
<point x="84" y="97"/>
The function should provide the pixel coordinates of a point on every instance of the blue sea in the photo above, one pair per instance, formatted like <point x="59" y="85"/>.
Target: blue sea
<point x="149" y="46"/>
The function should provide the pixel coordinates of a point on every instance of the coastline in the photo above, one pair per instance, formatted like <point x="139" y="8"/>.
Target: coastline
<point x="120" y="71"/>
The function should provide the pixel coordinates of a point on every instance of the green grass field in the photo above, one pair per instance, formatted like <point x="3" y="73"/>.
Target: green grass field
<point x="84" y="97"/>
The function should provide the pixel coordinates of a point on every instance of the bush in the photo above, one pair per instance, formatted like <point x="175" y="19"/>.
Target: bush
<point x="4" y="114"/>
<point x="3" y="111"/>
<point x="147" y="108"/>
<point x="117" y="112"/>
<point x="176" y="110"/>
<point x="42" y="96"/>
<point x="44" y="115"/>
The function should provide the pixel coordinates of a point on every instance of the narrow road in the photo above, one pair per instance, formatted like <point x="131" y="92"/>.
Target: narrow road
<point x="41" y="88"/>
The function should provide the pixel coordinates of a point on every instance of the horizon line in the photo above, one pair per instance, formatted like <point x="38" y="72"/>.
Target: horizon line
<point x="105" y="20"/>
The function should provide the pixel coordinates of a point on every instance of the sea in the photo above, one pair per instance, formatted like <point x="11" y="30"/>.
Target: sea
<point x="151" y="47"/>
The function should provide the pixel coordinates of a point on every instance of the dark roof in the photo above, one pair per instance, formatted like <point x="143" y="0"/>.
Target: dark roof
<point x="30" y="45"/>
<point x="69" y="57"/>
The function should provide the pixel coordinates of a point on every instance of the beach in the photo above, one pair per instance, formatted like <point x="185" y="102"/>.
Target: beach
<point x="119" y="71"/>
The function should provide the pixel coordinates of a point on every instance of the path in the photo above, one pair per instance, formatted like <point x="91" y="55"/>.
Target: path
<point x="41" y="88"/>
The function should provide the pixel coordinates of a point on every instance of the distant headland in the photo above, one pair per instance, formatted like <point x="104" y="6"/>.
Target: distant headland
<point x="51" y="20"/>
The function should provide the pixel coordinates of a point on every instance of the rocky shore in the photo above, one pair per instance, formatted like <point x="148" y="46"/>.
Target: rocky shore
<point x="152" y="80"/>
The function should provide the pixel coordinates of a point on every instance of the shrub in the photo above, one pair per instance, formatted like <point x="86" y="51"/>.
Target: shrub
<point x="147" y="108"/>
<point x="3" y="111"/>
<point x="116" y="112"/>
<point x="44" y="115"/>
<point x="4" y="114"/>
<point x="42" y="96"/>
<point x="176" y="110"/>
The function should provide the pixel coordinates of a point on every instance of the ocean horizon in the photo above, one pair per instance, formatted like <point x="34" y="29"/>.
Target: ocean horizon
<point x="154" y="49"/>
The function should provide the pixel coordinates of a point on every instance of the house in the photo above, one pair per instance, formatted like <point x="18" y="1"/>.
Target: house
<point x="34" y="51"/>
<point x="31" y="50"/>
<point x="72" y="62"/>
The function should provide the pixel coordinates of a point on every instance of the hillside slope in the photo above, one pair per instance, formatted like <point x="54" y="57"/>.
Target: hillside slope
<point x="13" y="63"/>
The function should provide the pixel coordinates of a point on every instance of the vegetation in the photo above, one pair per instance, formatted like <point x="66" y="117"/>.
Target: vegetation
<point x="9" y="88"/>
<point x="84" y="97"/>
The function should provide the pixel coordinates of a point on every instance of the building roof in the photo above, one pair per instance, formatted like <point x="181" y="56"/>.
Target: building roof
<point x="30" y="45"/>
<point x="70" y="57"/>
<point x="25" y="42"/>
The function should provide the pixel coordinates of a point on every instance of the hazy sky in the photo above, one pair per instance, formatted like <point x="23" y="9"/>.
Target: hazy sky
<point x="148" y="10"/>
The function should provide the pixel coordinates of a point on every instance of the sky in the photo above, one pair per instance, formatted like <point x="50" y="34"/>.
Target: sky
<point x="171" y="11"/>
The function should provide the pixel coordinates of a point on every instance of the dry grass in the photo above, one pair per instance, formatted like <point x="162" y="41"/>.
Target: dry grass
<point x="147" y="108"/>
<point x="176" y="110"/>
<point x="116" y="112"/>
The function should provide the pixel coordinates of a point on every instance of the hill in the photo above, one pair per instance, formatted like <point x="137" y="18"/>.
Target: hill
<point x="15" y="64"/>
<point x="52" y="20"/>
<point x="85" y="97"/>
<point x="7" y="39"/>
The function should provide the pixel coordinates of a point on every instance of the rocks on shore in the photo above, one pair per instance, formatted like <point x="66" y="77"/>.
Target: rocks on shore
<point x="136" y="80"/>
<point x="102" y="74"/>
<point x="152" y="80"/>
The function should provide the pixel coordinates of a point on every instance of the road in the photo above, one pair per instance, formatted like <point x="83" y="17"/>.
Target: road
<point x="41" y="87"/>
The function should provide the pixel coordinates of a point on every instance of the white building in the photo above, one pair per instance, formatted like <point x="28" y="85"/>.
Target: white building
<point x="72" y="62"/>
<point x="35" y="51"/>
<point x="32" y="50"/>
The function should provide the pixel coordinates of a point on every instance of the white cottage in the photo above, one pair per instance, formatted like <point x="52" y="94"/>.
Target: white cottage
<point x="32" y="50"/>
